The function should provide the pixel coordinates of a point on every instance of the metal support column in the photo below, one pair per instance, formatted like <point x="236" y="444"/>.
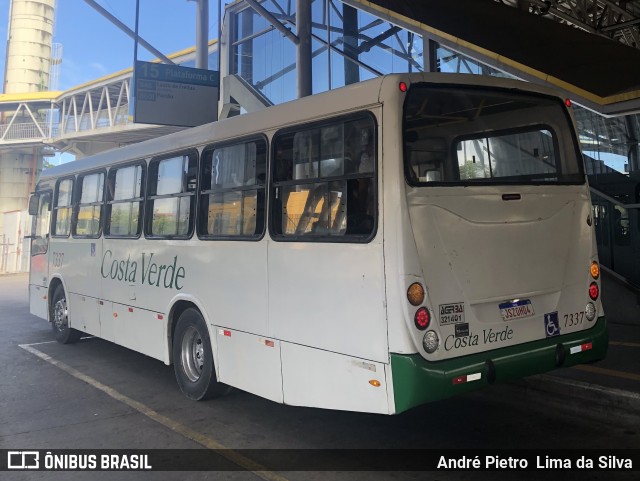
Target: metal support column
<point x="430" y="54"/>
<point x="245" y="60"/>
<point x="350" y="28"/>
<point x="202" y="34"/>
<point x="633" y="139"/>
<point x="303" y="52"/>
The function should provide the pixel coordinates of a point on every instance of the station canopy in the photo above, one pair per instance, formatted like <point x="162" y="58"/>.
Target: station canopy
<point x="602" y="74"/>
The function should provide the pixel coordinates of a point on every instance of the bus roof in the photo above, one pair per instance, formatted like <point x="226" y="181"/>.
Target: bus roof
<point x="362" y="94"/>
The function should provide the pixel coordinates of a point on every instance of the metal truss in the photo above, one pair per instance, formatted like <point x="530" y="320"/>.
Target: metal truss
<point x="105" y="106"/>
<point x="84" y="120"/>
<point x="618" y="20"/>
<point x="27" y="122"/>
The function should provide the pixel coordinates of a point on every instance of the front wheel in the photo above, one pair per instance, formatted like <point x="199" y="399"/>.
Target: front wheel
<point x="59" y="315"/>
<point x="193" y="358"/>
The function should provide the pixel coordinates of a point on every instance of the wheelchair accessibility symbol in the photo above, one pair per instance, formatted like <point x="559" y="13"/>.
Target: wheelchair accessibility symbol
<point x="551" y="324"/>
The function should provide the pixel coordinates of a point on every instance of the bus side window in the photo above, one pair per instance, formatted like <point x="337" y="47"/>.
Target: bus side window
<point x="124" y="201"/>
<point x="171" y="200"/>
<point x="233" y="190"/>
<point x="87" y="220"/>
<point x="62" y="208"/>
<point x="325" y="181"/>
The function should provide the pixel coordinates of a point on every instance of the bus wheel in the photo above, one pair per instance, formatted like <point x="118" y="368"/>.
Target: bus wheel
<point x="193" y="358"/>
<point x="59" y="316"/>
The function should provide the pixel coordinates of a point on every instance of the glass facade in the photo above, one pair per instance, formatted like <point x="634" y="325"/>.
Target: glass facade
<point x="351" y="45"/>
<point x="348" y="46"/>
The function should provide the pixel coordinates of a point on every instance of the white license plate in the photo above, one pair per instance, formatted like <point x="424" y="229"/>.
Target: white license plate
<point x="516" y="309"/>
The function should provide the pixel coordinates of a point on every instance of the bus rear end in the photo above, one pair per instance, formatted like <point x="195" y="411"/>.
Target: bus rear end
<point x="507" y="282"/>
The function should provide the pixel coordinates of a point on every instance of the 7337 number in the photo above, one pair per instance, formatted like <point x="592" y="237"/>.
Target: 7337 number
<point x="573" y="319"/>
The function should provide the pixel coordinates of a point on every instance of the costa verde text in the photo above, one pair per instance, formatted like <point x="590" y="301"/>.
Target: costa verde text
<point x="152" y="273"/>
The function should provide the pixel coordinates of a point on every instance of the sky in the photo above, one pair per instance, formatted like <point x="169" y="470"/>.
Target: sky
<point x="92" y="46"/>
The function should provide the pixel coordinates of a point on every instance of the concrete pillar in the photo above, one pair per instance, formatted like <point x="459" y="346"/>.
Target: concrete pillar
<point x="29" y="46"/>
<point x="27" y="66"/>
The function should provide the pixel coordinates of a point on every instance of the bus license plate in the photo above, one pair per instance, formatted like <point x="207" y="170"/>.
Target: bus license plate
<point x="516" y="309"/>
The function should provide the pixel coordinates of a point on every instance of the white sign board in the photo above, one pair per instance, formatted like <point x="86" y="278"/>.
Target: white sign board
<point x="173" y="95"/>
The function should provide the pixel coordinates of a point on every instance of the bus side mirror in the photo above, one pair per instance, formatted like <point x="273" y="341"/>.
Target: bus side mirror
<point x="34" y="200"/>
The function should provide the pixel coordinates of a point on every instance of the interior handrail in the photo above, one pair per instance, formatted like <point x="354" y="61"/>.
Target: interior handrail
<point x="613" y="200"/>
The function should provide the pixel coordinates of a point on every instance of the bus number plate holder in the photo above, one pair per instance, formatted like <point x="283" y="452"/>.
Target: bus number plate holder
<point x="516" y="309"/>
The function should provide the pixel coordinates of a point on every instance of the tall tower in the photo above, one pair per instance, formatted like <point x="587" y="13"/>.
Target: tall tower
<point x="27" y="66"/>
<point x="29" y="46"/>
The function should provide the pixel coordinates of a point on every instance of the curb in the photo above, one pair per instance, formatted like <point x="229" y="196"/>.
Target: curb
<point x="589" y="400"/>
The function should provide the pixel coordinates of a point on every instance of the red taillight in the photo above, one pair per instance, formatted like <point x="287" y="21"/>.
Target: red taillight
<point x="567" y="102"/>
<point x="402" y="86"/>
<point x="422" y="318"/>
<point x="594" y="291"/>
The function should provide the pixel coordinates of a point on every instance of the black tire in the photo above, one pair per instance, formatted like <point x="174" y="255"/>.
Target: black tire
<point x="59" y="316"/>
<point x="193" y="358"/>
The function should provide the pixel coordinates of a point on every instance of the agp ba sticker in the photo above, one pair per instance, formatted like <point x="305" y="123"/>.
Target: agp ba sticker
<point x="451" y="313"/>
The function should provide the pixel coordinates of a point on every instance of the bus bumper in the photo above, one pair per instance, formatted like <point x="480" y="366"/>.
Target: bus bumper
<point x="417" y="381"/>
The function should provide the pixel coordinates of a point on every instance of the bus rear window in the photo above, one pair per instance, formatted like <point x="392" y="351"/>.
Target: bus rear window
<point x="529" y="153"/>
<point x="458" y="135"/>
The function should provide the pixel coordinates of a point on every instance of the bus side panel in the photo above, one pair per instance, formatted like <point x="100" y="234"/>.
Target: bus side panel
<point x="38" y="301"/>
<point x="138" y="329"/>
<point x="330" y="296"/>
<point x="79" y="261"/>
<point x="84" y="313"/>
<point x="248" y="362"/>
<point x="130" y="302"/>
<point x="229" y="278"/>
<point x="316" y="378"/>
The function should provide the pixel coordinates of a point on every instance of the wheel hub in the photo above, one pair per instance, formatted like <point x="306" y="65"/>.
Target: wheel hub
<point x="192" y="354"/>
<point x="60" y="314"/>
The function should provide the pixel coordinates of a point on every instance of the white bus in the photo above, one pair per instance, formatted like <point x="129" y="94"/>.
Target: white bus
<point x="372" y="248"/>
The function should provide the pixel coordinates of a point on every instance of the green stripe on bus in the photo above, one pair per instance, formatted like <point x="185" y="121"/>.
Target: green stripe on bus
<point x="417" y="381"/>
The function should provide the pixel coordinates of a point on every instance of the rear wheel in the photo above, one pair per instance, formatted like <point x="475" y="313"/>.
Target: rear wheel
<point x="193" y="358"/>
<point x="59" y="315"/>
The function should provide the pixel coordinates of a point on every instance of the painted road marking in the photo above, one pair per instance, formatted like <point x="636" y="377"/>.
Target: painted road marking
<point x="608" y="372"/>
<point x="629" y="397"/>
<point x="625" y="344"/>
<point x="38" y="343"/>
<point x="208" y="442"/>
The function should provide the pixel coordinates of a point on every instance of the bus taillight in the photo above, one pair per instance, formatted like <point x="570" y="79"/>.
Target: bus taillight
<point x="594" y="291"/>
<point x="422" y="318"/>
<point x="594" y="270"/>
<point x="415" y="294"/>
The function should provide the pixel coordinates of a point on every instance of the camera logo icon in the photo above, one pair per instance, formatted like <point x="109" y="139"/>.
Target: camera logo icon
<point x="23" y="460"/>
